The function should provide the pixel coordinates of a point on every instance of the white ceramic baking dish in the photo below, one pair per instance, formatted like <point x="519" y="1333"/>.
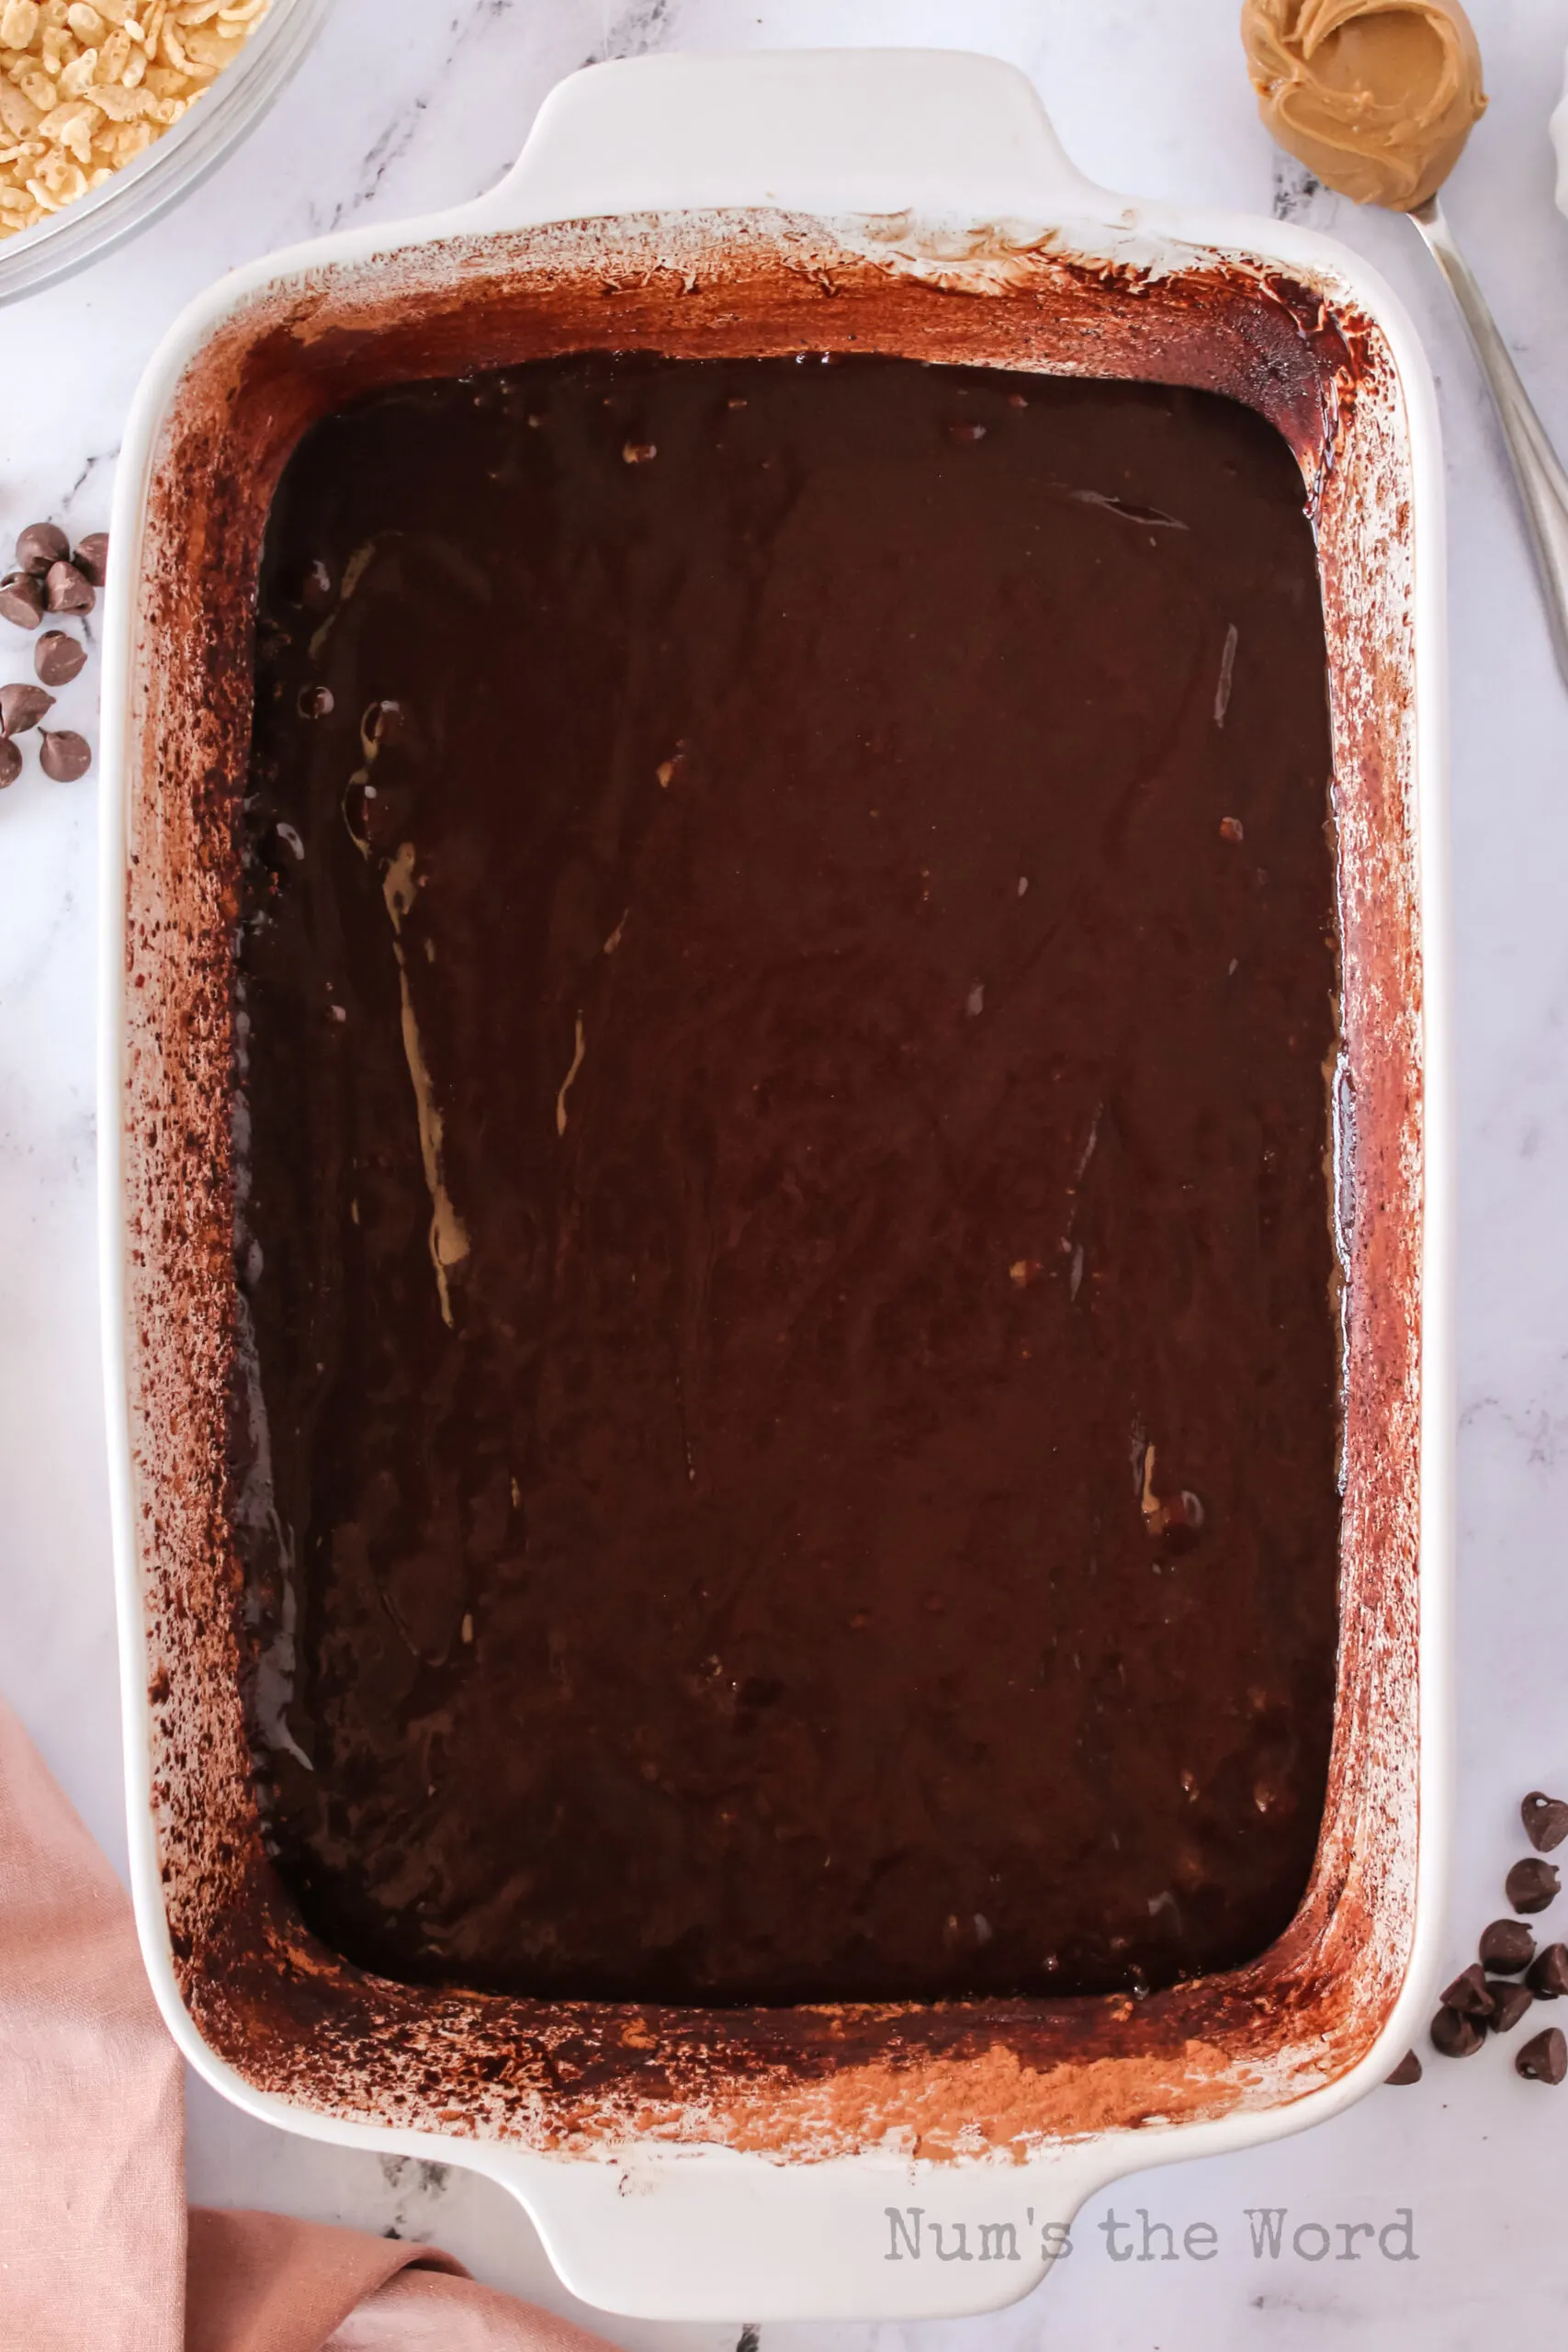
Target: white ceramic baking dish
<point x="870" y="2163"/>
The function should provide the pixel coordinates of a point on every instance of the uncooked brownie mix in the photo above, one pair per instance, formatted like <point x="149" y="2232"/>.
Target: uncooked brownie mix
<point x="785" y="1429"/>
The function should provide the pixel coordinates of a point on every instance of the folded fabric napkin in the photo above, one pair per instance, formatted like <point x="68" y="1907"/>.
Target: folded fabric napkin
<point x="97" y="2252"/>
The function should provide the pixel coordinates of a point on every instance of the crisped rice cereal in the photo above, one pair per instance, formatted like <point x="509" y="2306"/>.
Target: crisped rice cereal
<point x="87" y="84"/>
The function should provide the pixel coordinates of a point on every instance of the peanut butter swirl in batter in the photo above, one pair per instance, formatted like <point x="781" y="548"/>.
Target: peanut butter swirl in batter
<point x="1376" y="96"/>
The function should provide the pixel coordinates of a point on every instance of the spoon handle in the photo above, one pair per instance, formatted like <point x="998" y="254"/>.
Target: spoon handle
<point x="1543" y="485"/>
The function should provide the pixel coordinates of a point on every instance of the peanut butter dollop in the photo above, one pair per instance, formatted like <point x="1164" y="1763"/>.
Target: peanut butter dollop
<point x="1376" y="96"/>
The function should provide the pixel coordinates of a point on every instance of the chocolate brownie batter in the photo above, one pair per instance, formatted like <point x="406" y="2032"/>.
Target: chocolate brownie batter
<point x="784" y="1430"/>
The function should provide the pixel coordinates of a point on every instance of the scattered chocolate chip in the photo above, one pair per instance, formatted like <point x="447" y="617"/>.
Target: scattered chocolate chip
<point x="92" y="557"/>
<point x="1548" y="1978"/>
<point x="315" y="702"/>
<point x="66" y="591"/>
<point x="1455" y="2035"/>
<point x="1531" y="1885"/>
<point x="640" y="453"/>
<point x="1232" y="830"/>
<point x="1543" y="2059"/>
<point x="58" y="658"/>
<point x="384" y="722"/>
<point x="10" y="762"/>
<point x="21" y="599"/>
<point x="1468" y="1992"/>
<point x="963" y="433"/>
<point x="1506" y="1947"/>
<point x="1408" y="2071"/>
<point x="22" y="707"/>
<point x="1184" y="1516"/>
<point x="1509" y="2002"/>
<point x="64" y="756"/>
<point x="1545" y="1819"/>
<point x="41" y="544"/>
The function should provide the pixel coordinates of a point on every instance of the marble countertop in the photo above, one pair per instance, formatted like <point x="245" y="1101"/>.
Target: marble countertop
<point x="405" y="107"/>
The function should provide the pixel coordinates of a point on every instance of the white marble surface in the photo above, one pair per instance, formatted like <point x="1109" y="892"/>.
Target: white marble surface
<point x="409" y="105"/>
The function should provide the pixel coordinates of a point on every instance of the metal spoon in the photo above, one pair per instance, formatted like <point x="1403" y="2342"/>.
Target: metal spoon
<point x="1543" y="485"/>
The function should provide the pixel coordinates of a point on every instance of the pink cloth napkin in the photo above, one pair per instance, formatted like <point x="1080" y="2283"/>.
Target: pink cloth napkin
<point x="97" y="2253"/>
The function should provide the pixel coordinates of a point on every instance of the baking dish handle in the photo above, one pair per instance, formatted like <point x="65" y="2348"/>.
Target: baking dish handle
<point x="700" y="2234"/>
<point x="943" y="133"/>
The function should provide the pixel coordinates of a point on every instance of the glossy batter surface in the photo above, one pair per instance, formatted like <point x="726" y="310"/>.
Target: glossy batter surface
<point x="784" y="1442"/>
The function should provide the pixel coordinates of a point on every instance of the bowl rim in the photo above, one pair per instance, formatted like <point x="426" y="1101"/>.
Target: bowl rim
<point x="215" y="123"/>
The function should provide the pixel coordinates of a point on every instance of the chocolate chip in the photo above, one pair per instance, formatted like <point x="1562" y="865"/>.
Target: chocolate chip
<point x="1232" y="830"/>
<point x="1184" y="1516"/>
<point x="1506" y="1947"/>
<point x="1548" y="1979"/>
<point x="92" y="557"/>
<point x="66" y="591"/>
<point x="1530" y="1886"/>
<point x="10" y="762"/>
<point x="1545" y="1819"/>
<point x="21" y="599"/>
<point x="1509" y="2002"/>
<point x="384" y="722"/>
<point x="64" y="756"/>
<point x="965" y="433"/>
<point x="1468" y="1992"/>
<point x="1408" y="2071"/>
<point x="41" y="544"/>
<point x="1545" y="2058"/>
<point x="315" y="702"/>
<point x="640" y="453"/>
<point x="57" y="658"/>
<point x="1455" y="2035"/>
<point x="22" y="707"/>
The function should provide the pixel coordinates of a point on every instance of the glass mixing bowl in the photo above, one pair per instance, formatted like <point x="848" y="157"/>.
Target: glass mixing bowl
<point x="174" y="164"/>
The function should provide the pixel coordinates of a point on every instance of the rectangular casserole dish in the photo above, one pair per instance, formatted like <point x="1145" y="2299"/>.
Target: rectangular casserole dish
<point x="817" y="2162"/>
